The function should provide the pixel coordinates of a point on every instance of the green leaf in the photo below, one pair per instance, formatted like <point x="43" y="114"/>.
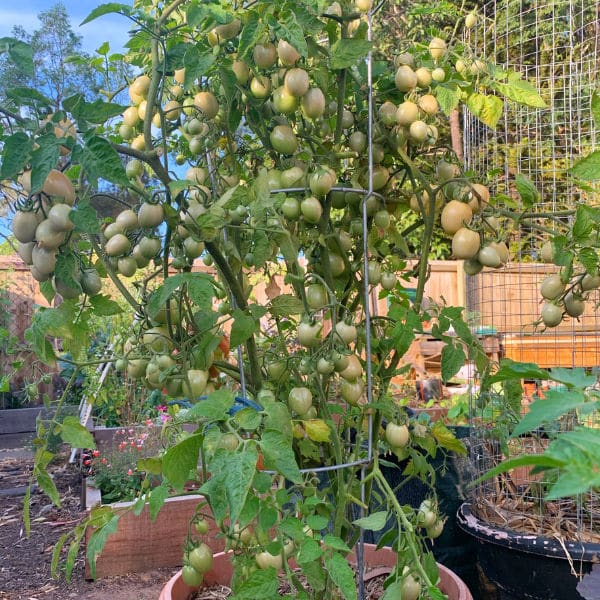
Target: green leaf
<point x="75" y="434"/>
<point x="286" y="305"/>
<point x="587" y="168"/>
<point x="532" y="460"/>
<point x="333" y="541"/>
<point x="374" y="522"/>
<point x="179" y="185"/>
<point x="317" y="522"/>
<point x="583" y="225"/>
<point x="596" y="108"/>
<point x="28" y="96"/>
<point x="310" y="550"/>
<point x="47" y="291"/>
<point x="150" y="465"/>
<point x="43" y="160"/>
<point x="158" y="495"/>
<point x="48" y="486"/>
<point x="448" y="98"/>
<point x="179" y="460"/>
<point x="200" y="288"/>
<point x="100" y="160"/>
<point x="341" y="574"/>
<point x="555" y="404"/>
<point x="279" y="455"/>
<point x="20" y="53"/>
<point x="453" y="358"/>
<point x="509" y="369"/>
<point x="572" y="377"/>
<point x="36" y="337"/>
<point x="215" y="407"/>
<point x="346" y="52"/>
<point x="232" y="473"/>
<point x="96" y="112"/>
<point x="97" y="541"/>
<point x="393" y="591"/>
<point x="15" y="154"/>
<point x="251" y="34"/>
<point x="262" y="583"/>
<point x="527" y="190"/>
<point x="66" y="270"/>
<point x="105" y="9"/>
<point x="104" y="306"/>
<point x="56" y="551"/>
<point x="197" y="64"/>
<point x="286" y="27"/>
<point x="243" y="327"/>
<point x="488" y="109"/>
<point x="520" y="91"/>
<point x="85" y="218"/>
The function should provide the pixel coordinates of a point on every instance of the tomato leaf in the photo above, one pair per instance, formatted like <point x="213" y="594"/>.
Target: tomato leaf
<point x="487" y="108"/>
<point x="262" y="583"/>
<point x="520" y="91"/>
<point x="309" y="550"/>
<point x="453" y="358"/>
<point x="509" y="369"/>
<point x="587" y="168"/>
<point x="317" y="430"/>
<point x="20" y="53"/>
<point x="232" y="472"/>
<point x="48" y="486"/>
<point x="448" y="98"/>
<point x="36" y="337"/>
<point x="199" y="286"/>
<point x="251" y="34"/>
<point x="446" y="439"/>
<point x="75" y="434"/>
<point x="374" y="522"/>
<point x="572" y="377"/>
<point x="279" y="455"/>
<point x="180" y="459"/>
<point x="527" y="190"/>
<point x="157" y="498"/>
<point x="215" y="407"/>
<point x="332" y="541"/>
<point x="346" y="52"/>
<point x="85" y="218"/>
<point x="286" y="305"/>
<point x="96" y="112"/>
<point x="555" y="404"/>
<point x="596" y="108"/>
<point x="16" y="154"/>
<point x="105" y="9"/>
<point x="341" y="574"/>
<point x="393" y="591"/>
<point x="243" y="327"/>
<point x="43" y="160"/>
<point x="66" y="270"/>
<point x="97" y="541"/>
<point x="196" y="63"/>
<point x="100" y="160"/>
<point x="104" y="306"/>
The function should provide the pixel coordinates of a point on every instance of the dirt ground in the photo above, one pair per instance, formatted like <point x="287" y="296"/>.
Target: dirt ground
<point x="25" y="562"/>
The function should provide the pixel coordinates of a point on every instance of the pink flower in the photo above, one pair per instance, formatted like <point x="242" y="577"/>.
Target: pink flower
<point x="103" y="461"/>
<point x="161" y="408"/>
<point x="129" y="472"/>
<point x="95" y="453"/>
<point x="164" y="418"/>
<point x="149" y="422"/>
<point x="131" y="432"/>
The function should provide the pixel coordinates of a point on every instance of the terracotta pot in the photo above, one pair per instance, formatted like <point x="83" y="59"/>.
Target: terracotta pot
<point x="222" y="570"/>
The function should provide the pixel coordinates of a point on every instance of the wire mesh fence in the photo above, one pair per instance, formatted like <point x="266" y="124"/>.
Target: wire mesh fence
<point x="554" y="45"/>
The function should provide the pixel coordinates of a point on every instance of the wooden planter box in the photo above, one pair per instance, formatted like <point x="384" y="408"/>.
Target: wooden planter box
<point x="140" y="544"/>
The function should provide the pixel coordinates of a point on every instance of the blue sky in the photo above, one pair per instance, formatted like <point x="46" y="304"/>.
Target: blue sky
<point x="111" y="28"/>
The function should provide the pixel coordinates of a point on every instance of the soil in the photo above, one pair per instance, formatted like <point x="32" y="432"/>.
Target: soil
<point x="25" y="562"/>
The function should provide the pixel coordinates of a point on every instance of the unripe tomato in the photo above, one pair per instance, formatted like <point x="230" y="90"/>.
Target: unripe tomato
<point x="488" y="257"/>
<point x="191" y="577"/>
<point x="346" y="332"/>
<point x="325" y="366"/>
<point x="25" y="251"/>
<point x="352" y="391"/>
<point x="374" y="272"/>
<point x="388" y="281"/>
<point x="150" y="215"/>
<point x="127" y="220"/>
<point x="427" y="514"/>
<point x="296" y="82"/>
<point x="207" y="103"/>
<point x="423" y="77"/>
<point x="118" y="245"/>
<point x="387" y="113"/>
<point x="438" y="75"/>
<point x="574" y="305"/>
<point x="195" y="383"/>
<point x="354" y="369"/>
<point x="316" y="296"/>
<point x="357" y="141"/>
<point x="290" y="208"/>
<point x="435" y="530"/>
<point x="481" y="197"/>
<point x="411" y="588"/>
<point x="429" y="104"/>
<point x="470" y="20"/>
<point x="309" y="334"/>
<point x="283" y="139"/>
<point x="43" y="259"/>
<point x="201" y="558"/>
<point x="552" y="287"/>
<point x="260" y="86"/>
<point x="24" y="225"/>
<point x="590" y="282"/>
<point x="311" y="209"/>
<point x="127" y="266"/>
<point x="264" y="560"/>
<point x="397" y="436"/>
<point x="241" y="71"/>
<point x="472" y="266"/>
<point x="300" y="400"/>
<point x="59" y="217"/>
<point x="288" y="55"/>
<point x="502" y="249"/>
<point x="547" y="252"/>
<point x="552" y="314"/>
<point x="437" y="48"/>
<point x="407" y="113"/>
<point x="264" y="55"/>
<point x="321" y="182"/>
<point x="465" y="243"/>
<point x="157" y="339"/>
<point x="418" y="131"/>
<point x="405" y="78"/>
<point x="313" y="103"/>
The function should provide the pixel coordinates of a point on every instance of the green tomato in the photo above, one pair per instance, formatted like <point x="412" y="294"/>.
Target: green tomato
<point x="201" y="558"/>
<point x="191" y="577"/>
<point x="397" y="436"/>
<point x="316" y="296"/>
<point x="300" y="400"/>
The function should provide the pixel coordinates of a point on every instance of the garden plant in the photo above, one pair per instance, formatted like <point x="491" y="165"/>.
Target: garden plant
<point x="275" y="144"/>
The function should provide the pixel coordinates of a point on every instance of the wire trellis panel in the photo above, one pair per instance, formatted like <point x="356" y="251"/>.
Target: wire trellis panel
<point x="555" y="46"/>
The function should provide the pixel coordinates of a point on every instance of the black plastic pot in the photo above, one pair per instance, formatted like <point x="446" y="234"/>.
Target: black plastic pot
<point x="528" y="567"/>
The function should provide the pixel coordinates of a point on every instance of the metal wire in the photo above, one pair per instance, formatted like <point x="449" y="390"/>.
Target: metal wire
<point x="555" y="46"/>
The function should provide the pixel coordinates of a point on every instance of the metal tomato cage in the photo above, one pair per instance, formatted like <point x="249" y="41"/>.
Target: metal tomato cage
<point x="556" y="47"/>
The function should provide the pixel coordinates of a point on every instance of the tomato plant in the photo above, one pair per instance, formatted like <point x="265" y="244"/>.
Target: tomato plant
<point x="269" y="207"/>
